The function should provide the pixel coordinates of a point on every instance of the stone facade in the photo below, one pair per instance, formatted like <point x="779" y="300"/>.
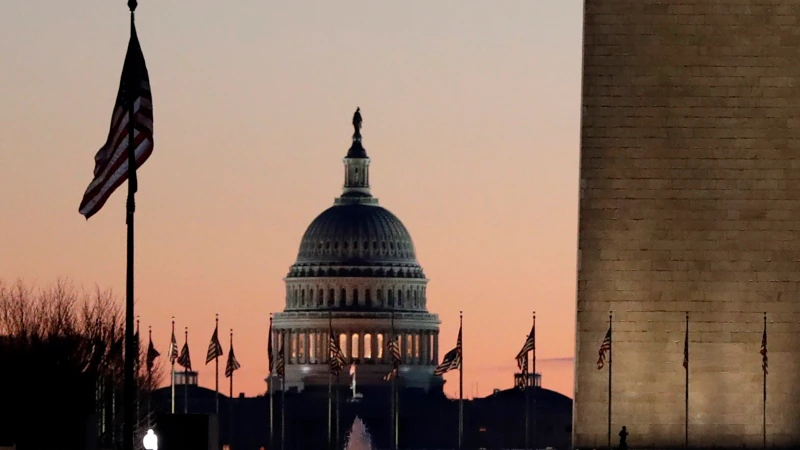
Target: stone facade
<point x="690" y="202"/>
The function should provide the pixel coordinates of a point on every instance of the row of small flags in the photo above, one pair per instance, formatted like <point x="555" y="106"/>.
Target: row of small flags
<point x="605" y="347"/>
<point x="184" y="358"/>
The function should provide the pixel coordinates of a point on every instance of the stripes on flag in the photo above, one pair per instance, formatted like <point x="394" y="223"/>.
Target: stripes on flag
<point x="392" y="374"/>
<point x="336" y="358"/>
<point x="605" y="347"/>
<point x="522" y="362"/>
<point x="173" y="348"/>
<point x="270" y="350"/>
<point x="395" y="356"/>
<point x="214" y="348"/>
<point x="764" y="364"/>
<point x="111" y="161"/>
<point x="451" y="360"/>
<point x="184" y="359"/>
<point x="280" y="364"/>
<point x="528" y="346"/>
<point x="232" y="364"/>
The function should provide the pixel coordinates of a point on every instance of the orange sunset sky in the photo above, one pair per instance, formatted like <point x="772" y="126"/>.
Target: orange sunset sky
<point x="471" y="117"/>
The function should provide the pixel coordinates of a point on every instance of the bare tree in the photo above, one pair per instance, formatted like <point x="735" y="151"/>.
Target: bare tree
<point x="62" y="362"/>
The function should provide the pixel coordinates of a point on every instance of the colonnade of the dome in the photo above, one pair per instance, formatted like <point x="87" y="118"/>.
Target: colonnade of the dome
<point x="311" y="346"/>
<point x="367" y="293"/>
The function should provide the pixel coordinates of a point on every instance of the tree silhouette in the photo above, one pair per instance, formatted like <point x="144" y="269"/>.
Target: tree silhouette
<point x="62" y="360"/>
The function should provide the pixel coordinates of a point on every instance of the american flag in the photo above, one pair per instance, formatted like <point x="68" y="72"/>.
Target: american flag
<point x="522" y="362"/>
<point x="184" y="359"/>
<point x="111" y="161"/>
<point x="336" y="357"/>
<point x="152" y="354"/>
<point x="686" y="347"/>
<point x="173" y="348"/>
<point x="529" y="345"/>
<point x="605" y="346"/>
<point x="764" y="365"/>
<point x="270" y="349"/>
<point x="280" y="364"/>
<point x="396" y="357"/>
<point x="232" y="363"/>
<point x="451" y="360"/>
<point x="214" y="348"/>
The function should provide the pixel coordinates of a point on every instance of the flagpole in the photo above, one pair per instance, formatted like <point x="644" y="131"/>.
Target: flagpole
<point x="338" y="382"/>
<point x="271" y="355"/>
<point x="527" y="386"/>
<point x="393" y="393"/>
<point x="764" y="399"/>
<point x="149" y="376"/>
<point x="461" y="386"/>
<point x="216" y="370"/>
<point x="129" y="387"/>
<point x="136" y="369"/>
<point x="283" y="412"/>
<point x="172" y="361"/>
<point x="610" y="349"/>
<point x="186" y="377"/>
<point x="230" y="401"/>
<point x="330" y="383"/>
<point x="535" y="388"/>
<point x="686" y="392"/>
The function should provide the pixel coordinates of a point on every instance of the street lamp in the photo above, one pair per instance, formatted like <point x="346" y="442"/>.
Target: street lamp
<point x="150" y="440"/>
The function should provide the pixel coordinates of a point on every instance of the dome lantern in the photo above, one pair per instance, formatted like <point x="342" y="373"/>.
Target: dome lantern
<point x="356" y="169"/>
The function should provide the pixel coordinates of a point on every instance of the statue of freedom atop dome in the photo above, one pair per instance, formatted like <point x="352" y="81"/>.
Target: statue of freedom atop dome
<point x="357" y="123"/>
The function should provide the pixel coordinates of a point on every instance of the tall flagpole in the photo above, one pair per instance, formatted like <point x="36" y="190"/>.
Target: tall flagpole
<point x="338" y="381"/>
<point x="216" y="369"/>
<point x="394" y="412"/>
<point x="129" y="387"/>
<point x="172" y="370"/>
<point x="461" y="385"/>
<point x="764" y="398"/>
<point x="686" y="392"/>
<point x="230" y="402"/>
<point x="186" y="377"/>
<point x="330" y="383"/>
<point x="535" y="388"/>
<point x="610" y="349"/>
<point x="271" y="354"/>
<point x="136" y="369"/>
<point x="527" y="386"/>
<point x="149" y="376"/>
<point x="283" y="409"/>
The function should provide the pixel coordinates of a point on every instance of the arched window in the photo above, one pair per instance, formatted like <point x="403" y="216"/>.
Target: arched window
<point x="380" y="346"/>
<point x="320" y="300"/>
<point x="355" y="297"/>
<point x="354" y="353"/>
<point x="343" y="344"/>
<point x="342" y="297"/>
<point x="367" y="298"/>
<point x="367" y="346"/>
<point x="399" y="297"/>
<point x="390" y="293"/>
<point x="331" y="299"/>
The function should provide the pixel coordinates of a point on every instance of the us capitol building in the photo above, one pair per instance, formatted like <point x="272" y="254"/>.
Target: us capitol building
<point x="357" y="273"/>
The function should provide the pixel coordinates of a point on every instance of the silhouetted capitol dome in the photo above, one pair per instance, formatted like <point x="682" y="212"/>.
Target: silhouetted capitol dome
<point x="357" y="272"/>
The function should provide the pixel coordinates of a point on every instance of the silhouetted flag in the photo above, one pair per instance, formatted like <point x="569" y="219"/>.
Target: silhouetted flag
<point x="111" y="161"/>
<point x="280" y="364"/>
<point x="522" y="356"/>
<point x="336" y="357"/>
<point x="605" y="346"/>
<point x="173" y="348"/>
<point x="270" y="351"/>
<point x="522" y="362"/>
<point x="232" y="364"/>
<point x="686" y="350"/>
<point x="214" y="348"/>
<point x="184" y="359"/>
<point x="152" y="354"/>
<point x="394" y="354"/>
<point x="451" y="360"/>
<point x="764" y="350"/>
<point x="136" y="348"/>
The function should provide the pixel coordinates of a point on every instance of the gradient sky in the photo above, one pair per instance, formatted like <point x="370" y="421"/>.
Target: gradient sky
<point x="471" y="118"/>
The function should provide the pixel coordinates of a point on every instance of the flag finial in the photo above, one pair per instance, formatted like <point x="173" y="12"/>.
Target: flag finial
<point x="132" y="4"/>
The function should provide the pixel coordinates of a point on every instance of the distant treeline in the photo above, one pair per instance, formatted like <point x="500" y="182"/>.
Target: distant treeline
<point x="61" y="366"/>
